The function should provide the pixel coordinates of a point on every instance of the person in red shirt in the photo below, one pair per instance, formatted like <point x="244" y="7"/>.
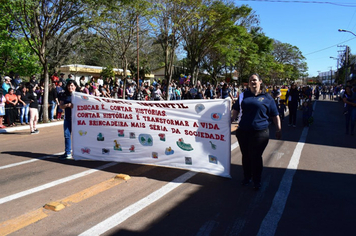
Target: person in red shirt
<point x="55" y="79"/>
<point x="10" y="107"/>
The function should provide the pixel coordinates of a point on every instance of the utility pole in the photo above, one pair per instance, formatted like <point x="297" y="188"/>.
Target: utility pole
<point x="138" y="54"/>
<point x="346" y="62"/>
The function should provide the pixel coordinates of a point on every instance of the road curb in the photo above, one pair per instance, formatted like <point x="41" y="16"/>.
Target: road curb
<point x="27" y="127"/>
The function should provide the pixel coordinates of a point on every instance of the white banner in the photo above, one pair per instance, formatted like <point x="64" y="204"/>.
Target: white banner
<point x="187" y="134"/>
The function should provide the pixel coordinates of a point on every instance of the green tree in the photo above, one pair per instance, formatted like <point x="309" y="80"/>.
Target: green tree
<point x="46" y="20"/>
<point x="165" y="22"/>
<point x="208" y="24"/>
<point x="292" y="59"/>
<point x="15" y="55"/>
<point x="108" y="72"/>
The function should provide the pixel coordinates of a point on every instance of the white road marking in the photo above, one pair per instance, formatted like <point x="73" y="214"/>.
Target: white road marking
<point x="54" y="183"/>
<point x="234" y="145"/>
<point x="271" y="220"/>
<point x="131" y="210"/>
<point x="29" y="161"/>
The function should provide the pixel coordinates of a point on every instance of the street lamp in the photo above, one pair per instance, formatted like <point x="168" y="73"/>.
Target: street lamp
<point x="342" y="30"/>
<point x="346" y="54"/>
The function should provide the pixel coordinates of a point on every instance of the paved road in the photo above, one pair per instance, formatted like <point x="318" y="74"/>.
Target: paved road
<point x="308" y="188"/>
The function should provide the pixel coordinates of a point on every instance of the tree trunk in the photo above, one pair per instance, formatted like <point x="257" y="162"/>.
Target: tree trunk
<point x="124" y="67"/>
<point x="46" y="92"/>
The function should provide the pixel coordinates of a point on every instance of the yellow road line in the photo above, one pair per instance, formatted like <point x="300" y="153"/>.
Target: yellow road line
<point x="10" y="226"/>
<point x="89" y="192"/>
<point x="24" y="220"/>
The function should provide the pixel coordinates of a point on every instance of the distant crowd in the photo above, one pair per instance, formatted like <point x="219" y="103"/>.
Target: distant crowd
<point x="20" y="92"/>
<point x="16" y="95"/>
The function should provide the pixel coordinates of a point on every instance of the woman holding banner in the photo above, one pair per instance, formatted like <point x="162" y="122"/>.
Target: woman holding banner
<point x="253" y="109"/>
<point x="67" y="105"/>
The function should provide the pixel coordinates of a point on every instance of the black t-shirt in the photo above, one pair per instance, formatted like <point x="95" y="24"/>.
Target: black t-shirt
<point x="24" y="97"/>
<point x="52" y="95"/>
<point x="68" y="111"/>
<point x="33" y="99"/>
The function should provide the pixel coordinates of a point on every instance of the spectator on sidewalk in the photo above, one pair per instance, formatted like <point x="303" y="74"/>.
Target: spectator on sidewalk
<point x="10" y="107"/>
<point x="6" y="85"/>
<point x="2" y="109"/>
<point x="55" y="79"/>
<point x="63" y="80"/>
<point x="16" y="82"/>
<point x="33" y="80"/>
<point x="105" y="91"/>
<point x="60" y="92"/>
<point x="24" y="102"/>
<point x="52" y="101"/>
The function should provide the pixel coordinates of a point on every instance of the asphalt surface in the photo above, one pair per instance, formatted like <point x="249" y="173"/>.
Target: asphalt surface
<point x="307" y="188"/>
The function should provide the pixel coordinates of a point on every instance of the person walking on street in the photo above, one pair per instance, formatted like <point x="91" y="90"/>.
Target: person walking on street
<point x="349" y="107"/>
<point x="276" y="94"/>
<point x="253" y="109"/>
<point x="292" y="97"/>
<point x="67" y="105"/>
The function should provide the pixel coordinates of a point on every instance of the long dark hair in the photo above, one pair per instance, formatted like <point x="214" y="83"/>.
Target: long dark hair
<point x="69" y="82"/>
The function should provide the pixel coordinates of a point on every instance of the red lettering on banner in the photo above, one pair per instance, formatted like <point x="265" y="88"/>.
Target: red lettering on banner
<point x="158" y="127"/>
<point x="138" y="125"/>
<point x="164" y="105"/>
<point x="209" y="126"/>
<point x="175" y="131"/>
<point x="88" y="115"/>
<point x="205" y="135"/>
<point x="87" y="107"/>
<point x="121" y="108"/>
<point x="108" y="123"/>
<point x="81" y="122"/>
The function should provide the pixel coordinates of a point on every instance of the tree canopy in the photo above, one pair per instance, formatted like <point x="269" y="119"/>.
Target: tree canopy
<point x="210" y="36"/>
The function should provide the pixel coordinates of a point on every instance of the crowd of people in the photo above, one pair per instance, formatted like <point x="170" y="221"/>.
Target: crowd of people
<point x="19" y="98"/>
<point x="157" y="90"/>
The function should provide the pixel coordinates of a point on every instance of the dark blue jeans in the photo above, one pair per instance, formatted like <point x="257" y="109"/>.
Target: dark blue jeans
<point x="24" y="113"/>
<point x="67" y="127"/>
<point x="293" y="107"/>
<point x="252" y="145"/>
<point x="52" y="108"/>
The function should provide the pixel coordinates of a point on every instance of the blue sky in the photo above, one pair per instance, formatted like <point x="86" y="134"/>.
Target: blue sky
<point x="312" y="27"/>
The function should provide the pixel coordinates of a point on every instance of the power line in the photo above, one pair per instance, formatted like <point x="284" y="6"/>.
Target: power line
<point x="313" y="2"/>
<point x="329" y="47"/>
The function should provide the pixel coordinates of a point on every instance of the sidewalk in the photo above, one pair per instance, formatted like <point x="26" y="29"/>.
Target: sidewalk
<point x="27" y="127"/>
